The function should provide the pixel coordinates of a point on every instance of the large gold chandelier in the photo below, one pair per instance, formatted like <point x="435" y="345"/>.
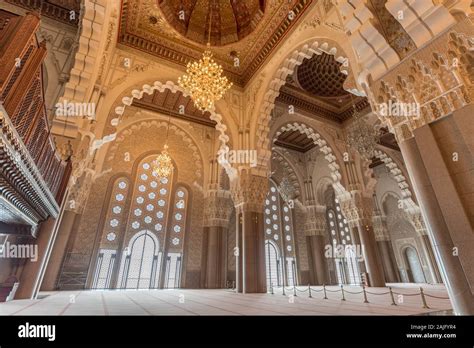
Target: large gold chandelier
<point x="203" y="80"/>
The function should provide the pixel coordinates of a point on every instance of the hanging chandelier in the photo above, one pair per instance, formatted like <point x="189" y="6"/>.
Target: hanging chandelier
<point x="362" y="137"/>
<point x="162" y="165"/>
<point x="203" y="80"/>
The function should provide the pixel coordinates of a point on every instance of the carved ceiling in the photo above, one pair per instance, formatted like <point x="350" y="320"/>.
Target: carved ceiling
<point x="316" y="87"/>
<point x="295" y="140"/>
<point x="175" y="105"/>
<point x="151" y="26"/>
<point x="229" y="21"/>
<point x="320" y="75"/>
<point x="55" y="9"/>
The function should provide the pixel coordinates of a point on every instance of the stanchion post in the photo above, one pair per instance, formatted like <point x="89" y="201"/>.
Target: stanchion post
<point x="342" y="289"/>
<point x="283" y="287"/>
<point x="324" y="288"/>
<point x="423" y="299"/>
<point x="391" y="295"/>
<point x="309" y="291"/>
<point x="294" y="290"/>
<point x="271" y="288"/>
<point x="365" y="294"/>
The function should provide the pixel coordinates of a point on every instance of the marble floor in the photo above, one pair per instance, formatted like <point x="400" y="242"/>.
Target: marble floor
<point x="227" y="302"/>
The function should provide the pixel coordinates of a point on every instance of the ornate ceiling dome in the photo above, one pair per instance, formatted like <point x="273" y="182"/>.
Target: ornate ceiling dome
<point x="320" y="75"/>
<point x="231" y="20"/>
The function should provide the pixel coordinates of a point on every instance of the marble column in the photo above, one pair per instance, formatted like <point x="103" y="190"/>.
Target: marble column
<point x="441" y="167"/>
<point x="215" y="248"/>
<point x="358" y="210"/>
<point x="318" y="263"/>
<point x="432" y="264"/>
<point x="249" y="192"/>
<point x="416" y="219"/>
<point x="315" y="229"/>
<point x="373" y="263"/>
<point x="31" y="275"/>
<point x="384" y="247"/>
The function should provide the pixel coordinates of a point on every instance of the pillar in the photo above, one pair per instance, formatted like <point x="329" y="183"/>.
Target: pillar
<point x="373" y="263"/>
<point x="318" y="263"/>
<point x="384" y="247"/>
<point x="315" y="230"/>
<point x="432" y="264"/>
<point x="215" y="246"/>
<point x="388" y="261"/>
<point x="358" y="209"/>
<point x="31" y="275"/>
<point x="441" y="167"/>
<point x="249" y="192"/>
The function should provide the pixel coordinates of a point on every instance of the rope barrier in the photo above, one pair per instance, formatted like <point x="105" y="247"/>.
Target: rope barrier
<point x="376" y="293"/>
<point x="364" y="291"/>
<point x="353" y="293"/>
<point x="438" y="297"/>
<point x="399" y="293"/>
<point x="315" y="290"/>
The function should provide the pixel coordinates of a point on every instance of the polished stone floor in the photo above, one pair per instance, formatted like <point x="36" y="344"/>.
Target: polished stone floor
<point x="227" y="302"/>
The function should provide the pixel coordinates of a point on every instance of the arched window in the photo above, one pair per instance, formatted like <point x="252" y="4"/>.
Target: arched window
<point x="279" y="231"/>
<point x="176" y="239"/>
<point x="115" y="219"/>
<point x="273" y="266"/>
<point x="345" y="253"/>
<point x="144" y="229"/>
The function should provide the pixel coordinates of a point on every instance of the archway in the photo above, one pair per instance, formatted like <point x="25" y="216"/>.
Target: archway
<point x="273" y="265"/>
<point x="141" y="264"/>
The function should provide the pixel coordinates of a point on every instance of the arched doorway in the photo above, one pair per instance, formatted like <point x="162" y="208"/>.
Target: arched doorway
<point x="141" y="265"/>
<point x="272" y="265"/>
<point x="414" y="270"/>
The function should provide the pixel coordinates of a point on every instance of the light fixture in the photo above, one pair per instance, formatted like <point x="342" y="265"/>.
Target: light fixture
<point x="203" y="80"/>
<point x="362" y="137"/>
<point x="162" y="165"/>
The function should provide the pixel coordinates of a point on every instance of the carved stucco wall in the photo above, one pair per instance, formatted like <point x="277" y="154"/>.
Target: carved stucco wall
<point x="139" y="139"/>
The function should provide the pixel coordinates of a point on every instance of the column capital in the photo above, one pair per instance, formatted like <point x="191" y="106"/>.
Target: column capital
<point x="315" y="222"/>
<point x="417" y="221"/>
<point x="249" y="192"/>
<point x="357" y="208"/>
<point x="443" y="65"/>
<point x="217" y="208"/>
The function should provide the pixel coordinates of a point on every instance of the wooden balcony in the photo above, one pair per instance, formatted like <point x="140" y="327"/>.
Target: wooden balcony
<point x="33" y="176"/>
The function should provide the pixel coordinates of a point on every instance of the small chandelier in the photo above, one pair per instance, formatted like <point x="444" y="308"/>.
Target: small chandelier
<point x="362" y="137"/>
<point x="162" y="165"/>
<point x="203" y="80"/>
